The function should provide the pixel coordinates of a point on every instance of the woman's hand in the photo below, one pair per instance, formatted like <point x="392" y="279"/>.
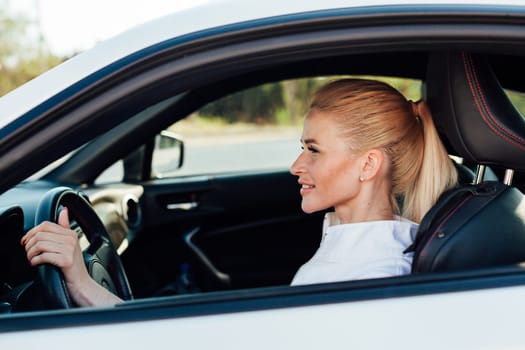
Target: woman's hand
<point x="58" y="245"/>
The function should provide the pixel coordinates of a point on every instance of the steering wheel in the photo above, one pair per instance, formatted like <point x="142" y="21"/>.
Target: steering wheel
<point x="101" y="258"/>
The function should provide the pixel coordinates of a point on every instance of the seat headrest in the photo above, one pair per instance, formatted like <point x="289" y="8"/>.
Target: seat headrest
<point x="472" y="113"/>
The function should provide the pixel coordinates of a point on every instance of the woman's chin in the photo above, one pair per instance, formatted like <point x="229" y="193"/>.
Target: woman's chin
<point x="309" y="209"/>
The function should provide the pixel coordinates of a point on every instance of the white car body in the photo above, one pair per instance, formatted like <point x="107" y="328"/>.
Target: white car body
<point x="443" y="321"/>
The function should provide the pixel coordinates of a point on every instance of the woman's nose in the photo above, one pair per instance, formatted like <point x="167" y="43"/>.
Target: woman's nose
<point x="297" y="166"/>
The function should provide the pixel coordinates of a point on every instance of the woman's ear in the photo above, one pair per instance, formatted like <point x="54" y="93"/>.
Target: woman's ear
<point x="372" y="163"/>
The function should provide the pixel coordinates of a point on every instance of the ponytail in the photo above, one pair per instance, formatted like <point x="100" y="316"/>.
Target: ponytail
<point x="437" y="173"/>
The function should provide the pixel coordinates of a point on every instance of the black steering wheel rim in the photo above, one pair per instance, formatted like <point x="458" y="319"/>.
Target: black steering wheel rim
<point x="101" y="258"/>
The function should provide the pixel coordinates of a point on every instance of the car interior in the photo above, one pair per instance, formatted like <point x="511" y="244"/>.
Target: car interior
<point x="225" y="241"/>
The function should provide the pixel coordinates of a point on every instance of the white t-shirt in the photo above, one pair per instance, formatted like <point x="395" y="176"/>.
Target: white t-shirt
<point x="362" y="250"/>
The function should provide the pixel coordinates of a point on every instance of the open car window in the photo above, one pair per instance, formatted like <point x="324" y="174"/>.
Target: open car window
<point x="256" y="129"/>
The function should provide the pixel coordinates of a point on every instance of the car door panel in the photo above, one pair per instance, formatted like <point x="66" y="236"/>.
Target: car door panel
<point x="247" y="227"/>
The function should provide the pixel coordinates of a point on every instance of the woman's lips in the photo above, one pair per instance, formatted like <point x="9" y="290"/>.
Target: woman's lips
<point x="305" y="189"/>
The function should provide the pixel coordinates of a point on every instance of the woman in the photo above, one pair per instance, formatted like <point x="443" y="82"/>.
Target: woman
<point x="365" y="148"/>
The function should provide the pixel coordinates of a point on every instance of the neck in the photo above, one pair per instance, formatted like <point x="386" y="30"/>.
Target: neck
<point x="367" y="214"/>
<point x="372" y="204"/>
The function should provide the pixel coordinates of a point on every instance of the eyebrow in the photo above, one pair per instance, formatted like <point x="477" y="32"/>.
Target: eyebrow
<point x="308" y="141"/>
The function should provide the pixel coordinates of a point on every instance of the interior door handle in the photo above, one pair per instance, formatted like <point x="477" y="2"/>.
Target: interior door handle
<point x="182" y="206"/>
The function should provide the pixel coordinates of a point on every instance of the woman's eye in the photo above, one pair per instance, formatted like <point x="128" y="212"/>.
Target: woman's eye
<point x="313" y="149"/>
<point x="310" y="149"/>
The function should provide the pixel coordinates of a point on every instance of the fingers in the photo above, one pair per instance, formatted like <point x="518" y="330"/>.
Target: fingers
<point x="59" y="260"/>
<point x="63" y="218"/>
<point x="58" y="245"/>
<point x="47" y="226"/>
<point x="52" y="243"/>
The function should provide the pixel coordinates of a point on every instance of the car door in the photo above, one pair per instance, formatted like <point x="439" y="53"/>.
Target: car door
<point x="214" y="226"/>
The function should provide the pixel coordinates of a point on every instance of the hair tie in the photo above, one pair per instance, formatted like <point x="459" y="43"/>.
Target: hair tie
<point x="416" y="109"/>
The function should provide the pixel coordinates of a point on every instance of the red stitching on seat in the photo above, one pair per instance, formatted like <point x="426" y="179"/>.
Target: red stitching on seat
<point x="477" y="88"/>
<point x="437" y="230"/>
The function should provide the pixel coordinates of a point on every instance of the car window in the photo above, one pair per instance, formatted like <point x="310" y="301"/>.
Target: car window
<point x="518" y="99"/>
<point x="256" y="129"/>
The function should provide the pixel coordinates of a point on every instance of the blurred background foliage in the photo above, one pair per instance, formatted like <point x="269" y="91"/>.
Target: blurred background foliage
<point x="23" y="51"/>
<point x="286" y="102"/>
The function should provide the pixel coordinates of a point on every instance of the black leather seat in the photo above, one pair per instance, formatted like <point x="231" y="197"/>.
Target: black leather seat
<point x="478" y="225"/>
<point x="472" y="111"/>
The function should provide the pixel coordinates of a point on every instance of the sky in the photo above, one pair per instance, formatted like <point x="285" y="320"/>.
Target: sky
<point x="72" y="26"/>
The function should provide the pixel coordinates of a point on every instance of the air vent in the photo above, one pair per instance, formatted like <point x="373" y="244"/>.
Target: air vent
<point x="131" y="211"/>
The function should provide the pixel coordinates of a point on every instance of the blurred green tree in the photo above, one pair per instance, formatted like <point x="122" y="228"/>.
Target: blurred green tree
<point x="23" y="56"/>
<point x="255" y="105"/>
<point x="285" y="102"/>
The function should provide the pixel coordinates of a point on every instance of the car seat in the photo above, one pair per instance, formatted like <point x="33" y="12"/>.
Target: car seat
<point x="481" y="224"/>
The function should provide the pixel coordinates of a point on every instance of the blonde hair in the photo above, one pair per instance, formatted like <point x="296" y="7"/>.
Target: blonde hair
<point x="374" y="115"/>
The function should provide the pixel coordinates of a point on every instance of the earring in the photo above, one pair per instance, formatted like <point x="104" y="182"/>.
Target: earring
<point x="361" y="178"/>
